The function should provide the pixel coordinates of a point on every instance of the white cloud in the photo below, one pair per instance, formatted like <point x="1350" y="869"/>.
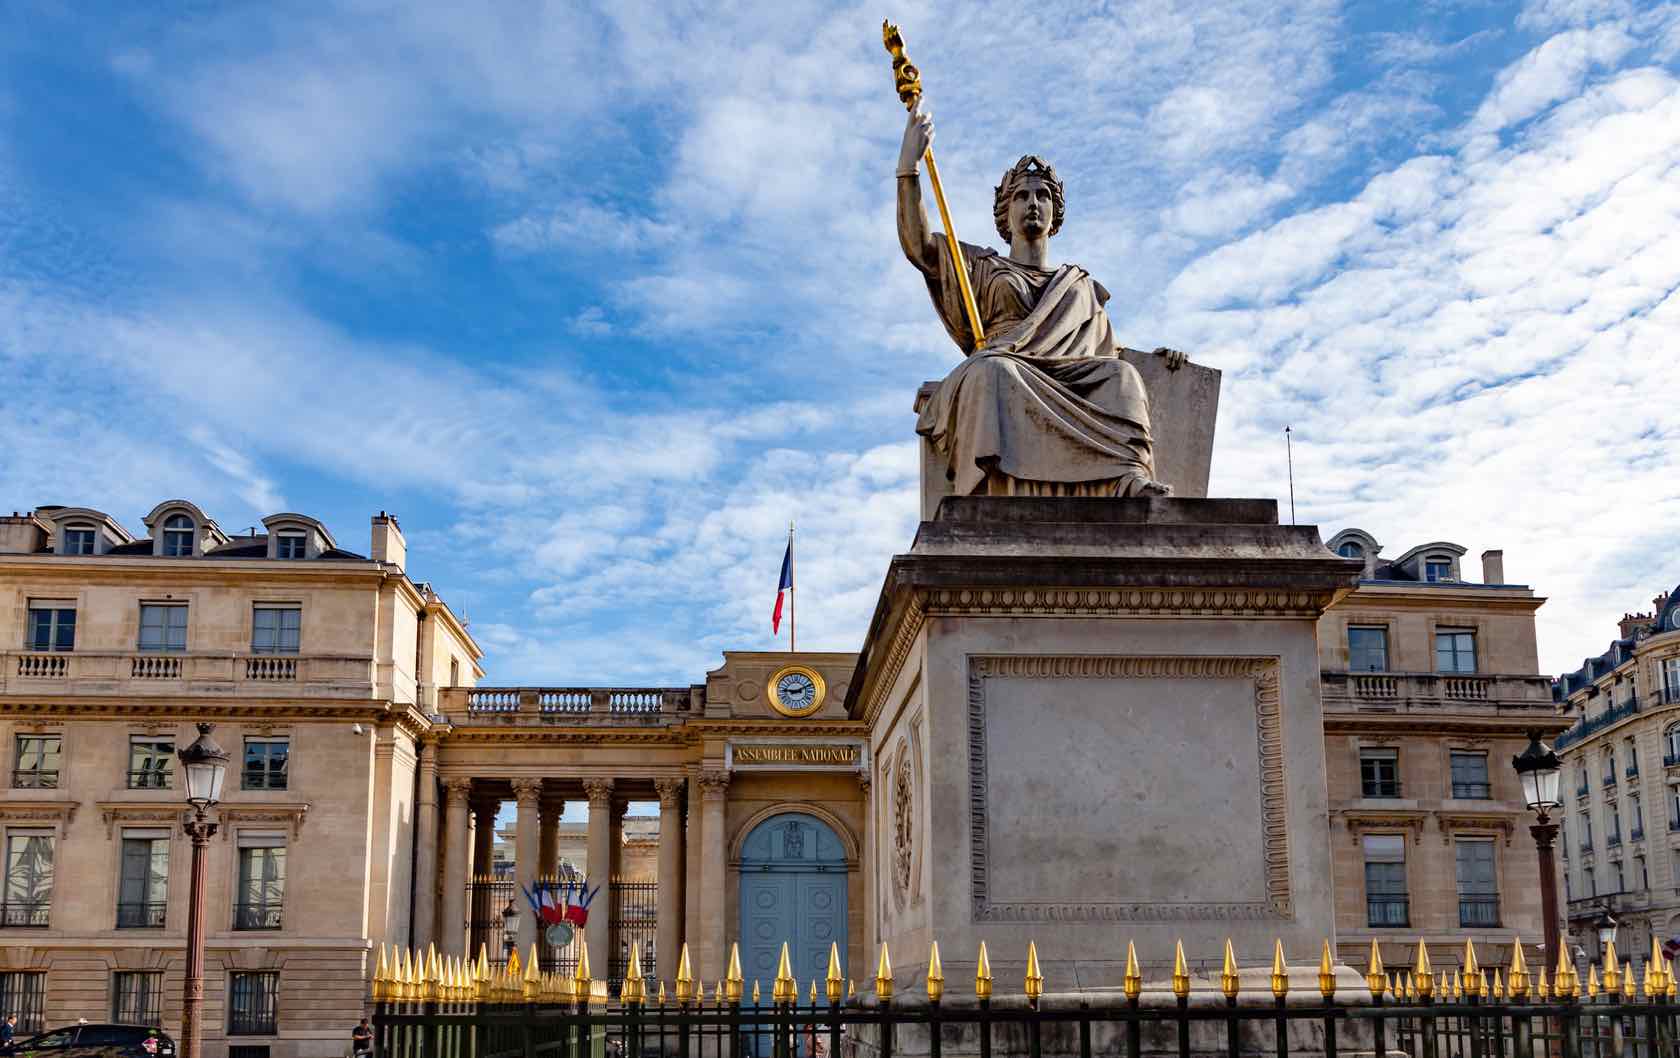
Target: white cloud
<point x="1555" y="70"/>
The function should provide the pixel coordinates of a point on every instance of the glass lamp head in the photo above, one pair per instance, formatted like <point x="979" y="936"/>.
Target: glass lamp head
<point x="1539" y="769"/>
<point x="205" y="764"/>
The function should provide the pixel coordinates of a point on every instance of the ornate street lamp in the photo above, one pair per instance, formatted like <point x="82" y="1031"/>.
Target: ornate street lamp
<point x="1606" y="925"/>
<point x="1539" y="769"/>
<point x="510" y="930"/>
<point x="205" y="765"/>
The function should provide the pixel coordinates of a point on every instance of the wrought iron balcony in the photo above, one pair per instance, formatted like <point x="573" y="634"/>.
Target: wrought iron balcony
<point x="1472" y="791"/>
<point x="256" y="916"/>
<point x="1632" y="771"/>
<point x="142" y="916"/>
<point x="1581" y="790"/>
<point x="1610" y="780"/>
<point x="1671" y="760"/>
<point x="1671" y="695"/>
<point x="1384" y="912"/>
<point x="1478" y="910"/>
<point x="1590" y="725"/>
<point x="149" y="779"/>
<point x="1382" y="790"/>
<point x="35" y="779"/>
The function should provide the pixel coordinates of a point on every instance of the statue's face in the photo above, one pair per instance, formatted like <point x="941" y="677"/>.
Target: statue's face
<point x="1031" y="209"/>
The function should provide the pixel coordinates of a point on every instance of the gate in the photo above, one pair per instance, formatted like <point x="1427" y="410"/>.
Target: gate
<point x="635" y="920"/>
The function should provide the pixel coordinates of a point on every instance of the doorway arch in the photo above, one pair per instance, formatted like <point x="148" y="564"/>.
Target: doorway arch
<point x="793" y="873"/>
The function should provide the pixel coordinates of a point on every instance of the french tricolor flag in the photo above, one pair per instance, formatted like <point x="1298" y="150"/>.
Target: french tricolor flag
<point x="784" y="590"/>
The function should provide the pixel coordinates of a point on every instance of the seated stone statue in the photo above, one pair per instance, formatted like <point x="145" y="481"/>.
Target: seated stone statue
<point x="1044" y="406"/>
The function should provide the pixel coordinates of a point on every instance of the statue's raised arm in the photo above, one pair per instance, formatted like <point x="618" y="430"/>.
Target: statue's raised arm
<point x="920" y="245"/>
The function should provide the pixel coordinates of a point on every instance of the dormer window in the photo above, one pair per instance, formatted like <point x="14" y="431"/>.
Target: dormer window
<point x="1351" y="550"/>
<point x="178" y="536"/>
<point x="79" y="540"/>
<point x="1437" y="569"/>
<point x="289" y="545"/>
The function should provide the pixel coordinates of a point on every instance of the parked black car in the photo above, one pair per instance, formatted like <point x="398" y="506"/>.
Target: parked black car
<point x="98" y="1041"/>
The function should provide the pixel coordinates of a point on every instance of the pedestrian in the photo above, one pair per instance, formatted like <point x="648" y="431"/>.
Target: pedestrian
<point x="361" y="1039"/>
<point x="8" y="1029"/>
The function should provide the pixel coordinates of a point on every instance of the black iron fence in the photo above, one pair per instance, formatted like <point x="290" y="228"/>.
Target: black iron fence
<point x="635" y="923"/>
<point x="634" y="906"/>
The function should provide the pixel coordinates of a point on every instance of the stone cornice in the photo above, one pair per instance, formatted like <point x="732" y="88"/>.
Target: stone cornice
<point x="133" y="813"/>
<point x="209" y="705"/>
<point x="125" y="569"/>
<point x="1385" y="598"/>
<point x="1358" y="821"/>
<point x="1450" y="822"/>
<point x="1514" y="724"/>
<point x="56" y="812"/>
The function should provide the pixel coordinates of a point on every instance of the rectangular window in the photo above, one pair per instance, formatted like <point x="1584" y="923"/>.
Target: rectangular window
<point x="1609" y="767"/>
<point x="1379" y="772"/>
<point x="1437" y="569"/>
<point x="1455" y="650"/>
<point x="1630" y="751"/>
<point x="25" y="994"/>
<point x="1385" y="880"/>
<point x="253" y="999"/>
<point x="1674" y="808"/>
<point x="78" y="541"/>
<point x="1478" y="891"/>
<point x="1470" y="775"/>
<point x="1643" y="872"/>
<point x="1367" y="649"/>
<point x="27" y="899"/>
<point x="1592" y="882"/>
<point x="37" y="762"/>
<point x="1671" y="680"/>
<point x="1636" y="817"/>
<point x="274" y="629"/>
<point x="1586" y="832"/>
<point x="137" y="997"/>
<point x="289" y="545"/>
<point x="151" y="763"/>
<point x="52" y="627"/>
<point x="143" y="891"/>
<point x="163" y="626"/>
<point x="262" y="882"/>
<point x="1617" y="877"/>
<point x="265" y="763"/>
<point x="1612" y="824"/>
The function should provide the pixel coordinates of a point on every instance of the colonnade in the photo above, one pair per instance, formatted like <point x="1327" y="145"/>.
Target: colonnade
<point x="467" y="835"/>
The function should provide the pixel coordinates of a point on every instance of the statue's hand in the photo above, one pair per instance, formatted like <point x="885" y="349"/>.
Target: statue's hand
<point x="918" y="136"/>
<point x="1174" y="358"/>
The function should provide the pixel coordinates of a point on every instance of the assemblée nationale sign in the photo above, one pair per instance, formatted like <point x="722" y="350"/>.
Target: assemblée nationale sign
<point x="757" y="753"/>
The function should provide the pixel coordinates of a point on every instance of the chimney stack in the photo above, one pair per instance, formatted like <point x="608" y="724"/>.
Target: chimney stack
<point x="388" y="543"/>
<point x="22" y="534"/>
<point x="1493" y="567"/>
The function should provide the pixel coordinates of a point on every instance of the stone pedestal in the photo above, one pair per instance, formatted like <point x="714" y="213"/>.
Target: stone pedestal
<point x="1096" y="721"/>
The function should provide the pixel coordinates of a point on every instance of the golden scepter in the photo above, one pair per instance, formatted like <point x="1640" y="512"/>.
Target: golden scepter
<point x="908" y="80"/>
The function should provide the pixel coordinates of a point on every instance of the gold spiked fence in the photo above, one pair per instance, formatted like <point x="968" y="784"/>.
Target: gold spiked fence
<point x="431" y="1006"/>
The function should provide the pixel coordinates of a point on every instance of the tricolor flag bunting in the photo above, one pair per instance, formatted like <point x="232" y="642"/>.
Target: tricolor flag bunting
<point x="783" y="589"/>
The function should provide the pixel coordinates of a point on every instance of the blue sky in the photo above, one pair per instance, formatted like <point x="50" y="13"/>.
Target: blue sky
<point x="598" y="298"/>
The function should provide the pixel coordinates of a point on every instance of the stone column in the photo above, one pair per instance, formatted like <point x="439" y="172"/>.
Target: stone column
<point x="670" y="876"/>
<point x="425" y="848"/>
<point x="457" y="824"/>
<point x="714" y="949"/>
<point x="528" y="794"/>
<point x="484" y="838"/>
<point x="548" y="837"/>
<point x="598" y="932"/>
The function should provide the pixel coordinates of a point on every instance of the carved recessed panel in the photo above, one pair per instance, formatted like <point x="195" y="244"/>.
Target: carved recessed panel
<point x="1146" y="789"/>
<point x="903" y="822"/>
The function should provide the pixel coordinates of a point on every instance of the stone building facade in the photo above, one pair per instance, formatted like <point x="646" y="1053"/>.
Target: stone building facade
<point x="394" y="800"/>
<point x="320" y="668"/>
<point x="1620" y="844"/>
<point x="1430" y="683"/>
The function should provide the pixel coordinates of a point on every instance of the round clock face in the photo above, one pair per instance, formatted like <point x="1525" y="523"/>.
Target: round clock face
<point x="797" y="691"/>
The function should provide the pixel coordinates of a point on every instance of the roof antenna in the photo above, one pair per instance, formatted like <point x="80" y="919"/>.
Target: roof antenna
<point x="1289" y="453"/>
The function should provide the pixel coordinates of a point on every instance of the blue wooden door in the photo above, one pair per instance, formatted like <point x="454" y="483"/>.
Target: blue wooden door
<point x="793" y="890"/>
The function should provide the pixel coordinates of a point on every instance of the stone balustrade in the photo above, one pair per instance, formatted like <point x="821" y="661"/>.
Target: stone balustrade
<point x="1423" y="691"/>
<point x="567" y="703"/>
<point x="119" y="673"/>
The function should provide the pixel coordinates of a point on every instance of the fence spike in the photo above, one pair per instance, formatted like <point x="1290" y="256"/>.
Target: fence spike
<point x="755" y="992"/>
<point x="1516" y="980"/>
<point x="634" y="988"/>
<point x="1423" y="976"/>
<point x="813" y="991"/>
<point x="983" y="975"/>
<point x="784" y="989"/>
<point x="1453" y="989"/>
<point x="1630" y="987"/>
<point x="851" y="988"/>
<point x="685" y="977"/>
<point x="935" y="975"/>
<point x="1565" y="982"/>
<point x="1542" y="987"/>
<point x="483" y="962"/>
<point x="580" y="977"/>
<point x="833" y="983"/>
<point x="1497" y="992"/>
<point x="1375" y="979"/>
<point x="1035" y="977"/>
<point x="717" y="994"/>
<point x="883" y="975"/>
<point x="1133" y="981"/>
<point x="1280" y="971"/>
<point x="381" y="975"/>
<point x="1668" y="978"/>
<point x="661" y="999"/>
<point x="1592" y="982"/>
<point x="1612" y="978"/>
<point x="1472" y="980"/>
<point x="732" y="979"/>
<point x="1228" y="981"/>
<point x="1181" y="972"/>
<point x="1326" y="974"/>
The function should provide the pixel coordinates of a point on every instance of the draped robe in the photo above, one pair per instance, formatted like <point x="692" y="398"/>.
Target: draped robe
<point x="1045" y="406"/>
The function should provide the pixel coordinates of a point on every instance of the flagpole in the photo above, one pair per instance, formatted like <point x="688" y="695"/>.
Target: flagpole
<point x="793" y="606"/>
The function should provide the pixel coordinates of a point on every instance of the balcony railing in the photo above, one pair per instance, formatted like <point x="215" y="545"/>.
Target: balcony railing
<point x="1381" y="790"/>
<point x="565" y="703"/>
<point x="149" y="779"/>
<point x="1586" y="846"/>
<point x="1383" y="912"/>
<point x="1480" y="910"/>
<point x="25" y="916"/>
<point x="1610" y="780"/>
<point x="1589" y="725"/>
<point x="35" y="779"/>
<point x="256" y="916"/>
<point x="43" y="666"/>
<point x="1632" y="771"/>
<point x="1582" y="790"/>
<point x="1612" y="841"/>
<point x="155" y="667"/>
<point x="1424" y="690"/>
<point x="1671" y="760"/>
<point x="142" y="916"/>
<point x="125" y="672"/>
<point x="1671" y="695"/>
<point x="1636" y="833"/>
<point x="271" y="668"/>
<point x="1472" y="791"/>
